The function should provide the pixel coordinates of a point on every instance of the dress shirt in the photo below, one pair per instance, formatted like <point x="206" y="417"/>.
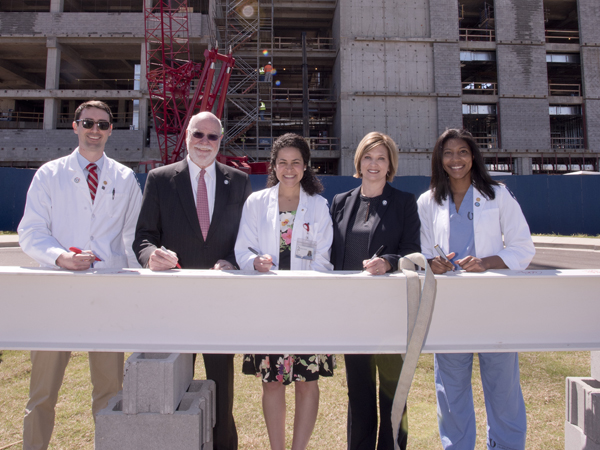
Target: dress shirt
<point x="83" y="163"/>
<point x="210" y="178"/>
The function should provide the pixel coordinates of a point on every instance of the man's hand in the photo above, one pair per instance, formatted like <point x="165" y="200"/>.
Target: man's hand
<point x="161" y="260"/>
<point x="223" y="264"/>
<point x="74" y="261"/>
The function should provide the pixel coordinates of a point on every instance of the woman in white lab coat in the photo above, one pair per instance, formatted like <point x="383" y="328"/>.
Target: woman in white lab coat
<point x="290" y="228"/>
<point x="466" y="213"/>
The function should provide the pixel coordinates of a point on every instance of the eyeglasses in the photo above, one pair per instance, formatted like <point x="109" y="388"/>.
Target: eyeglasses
<point x="210" y="137"/>
<point x="89" y="123"/>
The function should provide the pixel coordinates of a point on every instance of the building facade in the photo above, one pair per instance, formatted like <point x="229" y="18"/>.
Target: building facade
<point x="522" y="75"/>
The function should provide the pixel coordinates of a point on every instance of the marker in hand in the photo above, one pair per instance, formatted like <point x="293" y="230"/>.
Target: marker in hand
<point x="257" y="253"/>
<point x="377" y="253"/>
<point x="78" y="251"/>
<point x="164" y="249"/>
<point x="442" y="253"/>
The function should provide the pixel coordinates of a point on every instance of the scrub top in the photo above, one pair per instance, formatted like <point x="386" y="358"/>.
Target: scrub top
<point x="462" y="234"/>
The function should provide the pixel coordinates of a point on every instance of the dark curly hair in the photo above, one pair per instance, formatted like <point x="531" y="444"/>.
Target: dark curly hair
<point x="440" y="185"/>
<point x="310" y="183"/>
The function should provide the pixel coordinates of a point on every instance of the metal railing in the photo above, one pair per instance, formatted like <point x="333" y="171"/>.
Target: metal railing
<point x="318" y="43"/>
<point x="567" y="142"/>
<point x="570" y="90"/>
<point x="478" y="88"/>
<point x="476" y="34"/>
<point x="562" y="36"/>
<point x="486" y="141"/>
<point x="296" y="94"/>
<point x="323" y="143"/>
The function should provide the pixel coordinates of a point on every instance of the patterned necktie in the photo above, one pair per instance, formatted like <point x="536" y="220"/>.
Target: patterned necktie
<point x="202" y="205"/>
<point x="92" y="179"/>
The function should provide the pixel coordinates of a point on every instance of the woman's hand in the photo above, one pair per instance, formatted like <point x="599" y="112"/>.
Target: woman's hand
<point x="376" y="266"/>
<point x="474" y="264"/>
<point x="263" y="263"/>
<point x="439" y="265"/>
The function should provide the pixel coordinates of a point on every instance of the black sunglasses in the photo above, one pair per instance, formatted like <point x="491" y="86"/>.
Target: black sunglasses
<point x="210" y="137"/>
<point x="89" y="123"/>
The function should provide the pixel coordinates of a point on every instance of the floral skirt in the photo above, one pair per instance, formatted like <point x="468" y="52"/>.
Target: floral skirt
<point x="288" y="368"/>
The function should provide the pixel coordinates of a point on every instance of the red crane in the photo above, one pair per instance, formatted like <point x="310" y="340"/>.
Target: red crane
<point x="177" y="86"/>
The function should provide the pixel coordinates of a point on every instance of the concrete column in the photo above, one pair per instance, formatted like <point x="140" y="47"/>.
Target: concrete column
<point x="57" y="6"/>
<point x="51" y="105"/>
<point x="522" y="75"/>
<point x="523" y="166"/>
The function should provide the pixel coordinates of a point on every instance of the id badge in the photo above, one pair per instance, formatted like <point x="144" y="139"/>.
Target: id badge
<point x="306" y="249"/>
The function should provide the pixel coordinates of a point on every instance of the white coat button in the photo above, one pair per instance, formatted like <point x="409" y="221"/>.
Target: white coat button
<point x="91" y="238"/>
<point x="93" y="216"/>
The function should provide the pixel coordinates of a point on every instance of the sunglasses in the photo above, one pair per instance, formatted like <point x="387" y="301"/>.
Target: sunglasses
<point x="210" y="137"/>
<point x="89" y="123"/>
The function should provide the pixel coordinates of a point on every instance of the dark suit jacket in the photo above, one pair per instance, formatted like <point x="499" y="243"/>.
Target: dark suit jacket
<point x="397" y="225"/>
<point x="168" y="216"/>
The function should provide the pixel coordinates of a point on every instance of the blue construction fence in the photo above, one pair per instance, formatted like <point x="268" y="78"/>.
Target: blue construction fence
<point x="551" y="203"/>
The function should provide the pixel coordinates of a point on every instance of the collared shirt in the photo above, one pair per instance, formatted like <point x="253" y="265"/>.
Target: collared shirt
<point x="83" y="163"/>
<point x="210" y="178"/>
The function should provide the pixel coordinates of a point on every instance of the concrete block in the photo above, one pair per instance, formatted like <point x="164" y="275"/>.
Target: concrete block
<point x="595" y="365"/>
<point x="207" y="389"/>
<point x="183" y="430"/>
<point x="576" y="440"/>
<point x="156" y="382"/>
<point x="583" y="405"/>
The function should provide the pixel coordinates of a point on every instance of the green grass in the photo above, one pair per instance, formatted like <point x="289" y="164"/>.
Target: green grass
<point x="542" y="379"/>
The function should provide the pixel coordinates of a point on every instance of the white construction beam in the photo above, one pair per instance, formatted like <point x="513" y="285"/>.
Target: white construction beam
<point x="293" y="312"/>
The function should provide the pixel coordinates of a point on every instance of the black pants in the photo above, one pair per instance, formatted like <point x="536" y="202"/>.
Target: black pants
<point x="362" y="408"/>
<point x="219" y="368"/>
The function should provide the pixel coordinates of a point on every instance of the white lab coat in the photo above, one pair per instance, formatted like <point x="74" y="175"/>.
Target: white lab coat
<point x="260" y="229"/>
<point x="491" y="220"/>
<point x="59" y="213"/>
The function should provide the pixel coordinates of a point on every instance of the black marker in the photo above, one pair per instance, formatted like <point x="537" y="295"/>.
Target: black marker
<point x="113" y="193"/>
<point x="257" y="253"/>
<point x="377" y="253"/>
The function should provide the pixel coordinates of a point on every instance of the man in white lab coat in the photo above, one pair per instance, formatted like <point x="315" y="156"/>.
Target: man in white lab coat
<point x="81" y="212"/>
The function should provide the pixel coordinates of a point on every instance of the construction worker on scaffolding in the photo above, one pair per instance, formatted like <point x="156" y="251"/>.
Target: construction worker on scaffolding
<point x="262" y="108"/>
<point x="268" y="72"/>
<point x="261" y="74"/>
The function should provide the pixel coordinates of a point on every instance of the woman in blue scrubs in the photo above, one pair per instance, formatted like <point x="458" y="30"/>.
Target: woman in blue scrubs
<point x="467" y="213"/>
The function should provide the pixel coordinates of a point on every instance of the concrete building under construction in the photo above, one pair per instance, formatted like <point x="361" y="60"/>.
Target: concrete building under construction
<point x="522" y="75"/>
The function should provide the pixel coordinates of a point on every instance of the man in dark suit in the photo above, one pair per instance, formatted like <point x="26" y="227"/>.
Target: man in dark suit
<point x="193" y="208"/>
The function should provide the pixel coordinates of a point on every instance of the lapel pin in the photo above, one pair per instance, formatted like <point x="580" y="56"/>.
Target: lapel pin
<point x="226" y="181"/>
<point x="76" y="180"/>
<point x="384" y="202"/>
<point x="477" y="199"/>
<point x="103" y="187"/>
<point x="476" y="203"/>
<point x="106" y="182"/>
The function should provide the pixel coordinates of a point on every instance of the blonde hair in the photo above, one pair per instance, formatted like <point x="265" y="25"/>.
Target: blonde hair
<point x="368" y="143"/>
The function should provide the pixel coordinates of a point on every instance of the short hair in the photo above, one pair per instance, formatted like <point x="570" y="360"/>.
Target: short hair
<point x="206" y="115"/>
<point x="440" y="185"/>
<point x="368" y="143"/>
<point x="310" y="183"/>
<point x="94" y="104"/>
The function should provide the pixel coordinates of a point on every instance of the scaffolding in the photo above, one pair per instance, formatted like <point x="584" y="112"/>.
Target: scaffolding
<point x="247" y="27"/>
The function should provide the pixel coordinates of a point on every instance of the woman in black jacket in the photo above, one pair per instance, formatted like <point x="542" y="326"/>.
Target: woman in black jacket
<point x="372" y="216"/>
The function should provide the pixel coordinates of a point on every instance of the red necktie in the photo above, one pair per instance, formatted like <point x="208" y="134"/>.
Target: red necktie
<point x="92" y="179"/>
<point x="202" y="205"/>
